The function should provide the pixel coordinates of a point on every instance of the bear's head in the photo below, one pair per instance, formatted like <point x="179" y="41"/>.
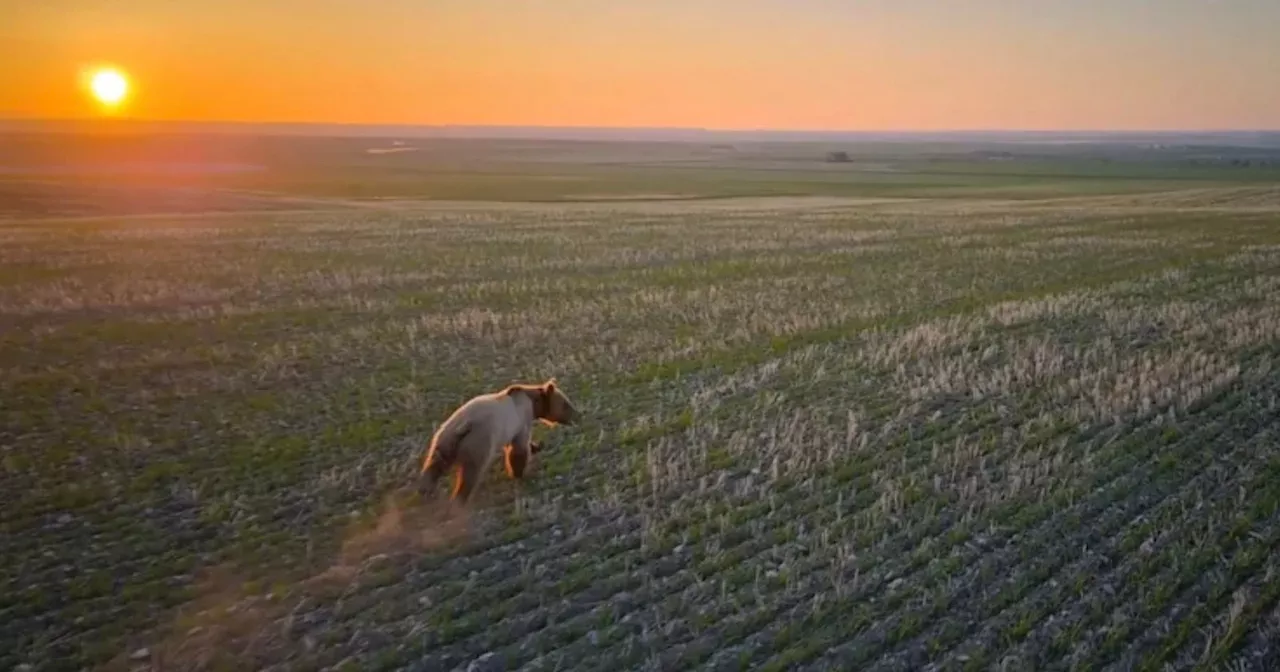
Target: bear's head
<point x="553" y="407"/>
<point x="550" y="405"/>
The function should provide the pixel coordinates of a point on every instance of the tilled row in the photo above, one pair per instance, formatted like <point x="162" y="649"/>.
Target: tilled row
<point x="1054" y="617"/>
<point x="1126" y="553"/>
<point x="1260" y="648"/>
<point x="1116" y="476"/>
<point x="1191" y="585"/>
<point x="1046" y="550"/>
<point x="1215" y="627"/>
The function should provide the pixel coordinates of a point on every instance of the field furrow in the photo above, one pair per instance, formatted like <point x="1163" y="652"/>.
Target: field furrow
<point x="994" y="577"/>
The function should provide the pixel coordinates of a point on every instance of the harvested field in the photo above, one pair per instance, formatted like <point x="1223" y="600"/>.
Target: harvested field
<point x="878" y="435"/>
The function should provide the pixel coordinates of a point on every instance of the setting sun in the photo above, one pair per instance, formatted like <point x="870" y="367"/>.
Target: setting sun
<point x="109" y="86"/>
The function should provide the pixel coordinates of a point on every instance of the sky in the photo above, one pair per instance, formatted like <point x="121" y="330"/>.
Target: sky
<point x="720" y="64"/>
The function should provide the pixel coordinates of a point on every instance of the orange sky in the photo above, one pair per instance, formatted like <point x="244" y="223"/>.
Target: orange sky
<point x="801" y="64"/>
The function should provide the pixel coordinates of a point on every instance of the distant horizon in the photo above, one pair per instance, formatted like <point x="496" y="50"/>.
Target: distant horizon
<point x="231" y="125"/>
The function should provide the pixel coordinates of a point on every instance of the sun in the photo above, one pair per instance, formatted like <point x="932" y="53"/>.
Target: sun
<point x="109" y="86"/>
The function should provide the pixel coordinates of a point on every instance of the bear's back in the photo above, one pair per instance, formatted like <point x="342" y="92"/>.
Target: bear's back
<point x="497" y="414"/>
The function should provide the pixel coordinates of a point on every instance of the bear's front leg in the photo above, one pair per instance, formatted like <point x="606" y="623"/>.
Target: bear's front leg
<point x="466" y="478"/>
<point x="517" y="457"/>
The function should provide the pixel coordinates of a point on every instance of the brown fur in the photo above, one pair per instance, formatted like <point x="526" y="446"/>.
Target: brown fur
<point x="469" y="440"/>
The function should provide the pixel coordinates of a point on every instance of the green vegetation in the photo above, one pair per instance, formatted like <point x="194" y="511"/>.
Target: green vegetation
<point x="68" y="174"/>
<point x="820" y="432"/>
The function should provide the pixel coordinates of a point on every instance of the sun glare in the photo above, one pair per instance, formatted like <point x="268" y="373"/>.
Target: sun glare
<point x="109" y="86"/>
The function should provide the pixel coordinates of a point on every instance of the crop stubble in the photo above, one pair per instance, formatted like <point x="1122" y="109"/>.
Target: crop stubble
<point x="887" y="435"/>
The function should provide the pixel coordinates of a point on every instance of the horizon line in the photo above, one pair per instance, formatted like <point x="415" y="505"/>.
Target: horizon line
<point x="6" y="120"/>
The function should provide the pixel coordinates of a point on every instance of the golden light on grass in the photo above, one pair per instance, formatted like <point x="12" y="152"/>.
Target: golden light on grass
<point x="109" y="86"/>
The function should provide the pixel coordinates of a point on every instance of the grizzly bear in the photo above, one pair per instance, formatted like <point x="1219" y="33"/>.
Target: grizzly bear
<point x="470" y="439"/>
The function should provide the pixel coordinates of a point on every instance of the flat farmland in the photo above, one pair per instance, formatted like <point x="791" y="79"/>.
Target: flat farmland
<point x="820" y="433"/>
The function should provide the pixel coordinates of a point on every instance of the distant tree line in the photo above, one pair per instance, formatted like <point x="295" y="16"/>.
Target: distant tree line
<point x="1238" y="163"/>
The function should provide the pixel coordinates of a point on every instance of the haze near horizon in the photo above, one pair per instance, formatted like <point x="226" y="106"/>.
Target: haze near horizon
<point x="758" y="64"/>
